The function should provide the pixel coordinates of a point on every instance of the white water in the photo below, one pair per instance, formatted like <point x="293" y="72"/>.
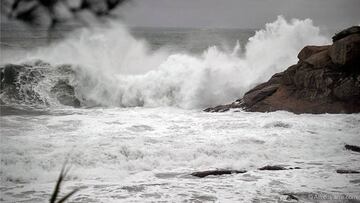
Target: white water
<point x="146" y="154"/>
<point x="119" y="70"/>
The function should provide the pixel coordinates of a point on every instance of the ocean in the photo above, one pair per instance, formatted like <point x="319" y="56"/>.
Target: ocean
<point x="140" y="131"/>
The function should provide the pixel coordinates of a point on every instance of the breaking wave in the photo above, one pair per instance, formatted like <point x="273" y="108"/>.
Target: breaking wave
<point x="112" y="68"/>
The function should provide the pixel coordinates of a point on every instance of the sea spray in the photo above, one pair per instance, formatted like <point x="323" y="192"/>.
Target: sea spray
<point x="116" y="69"/>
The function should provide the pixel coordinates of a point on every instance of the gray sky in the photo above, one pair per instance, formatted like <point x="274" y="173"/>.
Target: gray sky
<point x="239" y="13"/>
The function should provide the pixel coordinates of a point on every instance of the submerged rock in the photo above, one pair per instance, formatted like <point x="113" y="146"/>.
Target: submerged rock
<point x="352" y="148"/>
<point x="325" y="80"/>
<point x="272" y="168"/>
<point x="202" y="174"/>
<point x="345" y="171"/>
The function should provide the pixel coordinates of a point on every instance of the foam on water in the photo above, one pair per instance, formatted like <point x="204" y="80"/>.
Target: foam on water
<point x="146" y="154"/>
<point x="119" y="70"/>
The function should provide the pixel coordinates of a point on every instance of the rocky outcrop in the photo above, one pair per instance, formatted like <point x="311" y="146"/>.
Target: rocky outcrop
<point x="326" y="79"/>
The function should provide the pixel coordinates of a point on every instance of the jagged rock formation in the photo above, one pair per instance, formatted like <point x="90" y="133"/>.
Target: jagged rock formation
<point x="325" y="80"/>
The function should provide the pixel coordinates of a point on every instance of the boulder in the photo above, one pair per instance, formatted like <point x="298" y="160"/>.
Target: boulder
<point x="202" y="174"/>
<point x="353" y="148"/>
<point x="272" y="168"/>
<point x="308" y="51"/>
<point x="345" y="171"/>
<point x="346" y="32"/>
<point x="326" y="79"/>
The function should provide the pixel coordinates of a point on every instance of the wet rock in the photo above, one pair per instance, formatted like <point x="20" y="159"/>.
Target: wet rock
<point x="202" y="174"/>
<point x="344" y="171"/>
<point x="325" y="80"/>
<point x="272" y="168"/>
<point x="352" y="148"/>
<point x="291" y="197"/>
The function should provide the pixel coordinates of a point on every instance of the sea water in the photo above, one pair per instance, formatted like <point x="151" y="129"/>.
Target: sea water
<point x="144" y="131"/>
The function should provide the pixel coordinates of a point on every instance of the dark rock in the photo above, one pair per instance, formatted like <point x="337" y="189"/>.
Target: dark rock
<point x="346" y="52"/>
<point x="203" y="174"/>
<point x="346" y="32"/>
<point x="325" y="80"/>
<point x="308" y="51"/>
<point x="291" y="197"/>
<point x="320" y="59"/>
<point x="253" y="97"/>
<point x="65" y="94"/>
<point x="344" y="171"/>
<point x="352" y="148"/>
<point x="272" y="168"/>
<point x="347" y="89"/>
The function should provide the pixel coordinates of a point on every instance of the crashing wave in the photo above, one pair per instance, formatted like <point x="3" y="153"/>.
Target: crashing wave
<point x="112" y="68"/>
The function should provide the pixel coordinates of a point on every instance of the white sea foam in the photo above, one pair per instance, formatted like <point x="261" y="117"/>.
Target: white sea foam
<point x="146" y="154"/>
<point x="119" y="70"/>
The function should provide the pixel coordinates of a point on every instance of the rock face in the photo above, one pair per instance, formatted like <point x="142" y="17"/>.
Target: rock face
<point x="326" y="79"/>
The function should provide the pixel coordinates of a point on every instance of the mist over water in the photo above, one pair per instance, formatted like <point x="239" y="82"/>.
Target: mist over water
<point x="117" y="69"/>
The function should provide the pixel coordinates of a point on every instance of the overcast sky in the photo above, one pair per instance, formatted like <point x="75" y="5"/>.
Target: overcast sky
<point x="239" y="13"/>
